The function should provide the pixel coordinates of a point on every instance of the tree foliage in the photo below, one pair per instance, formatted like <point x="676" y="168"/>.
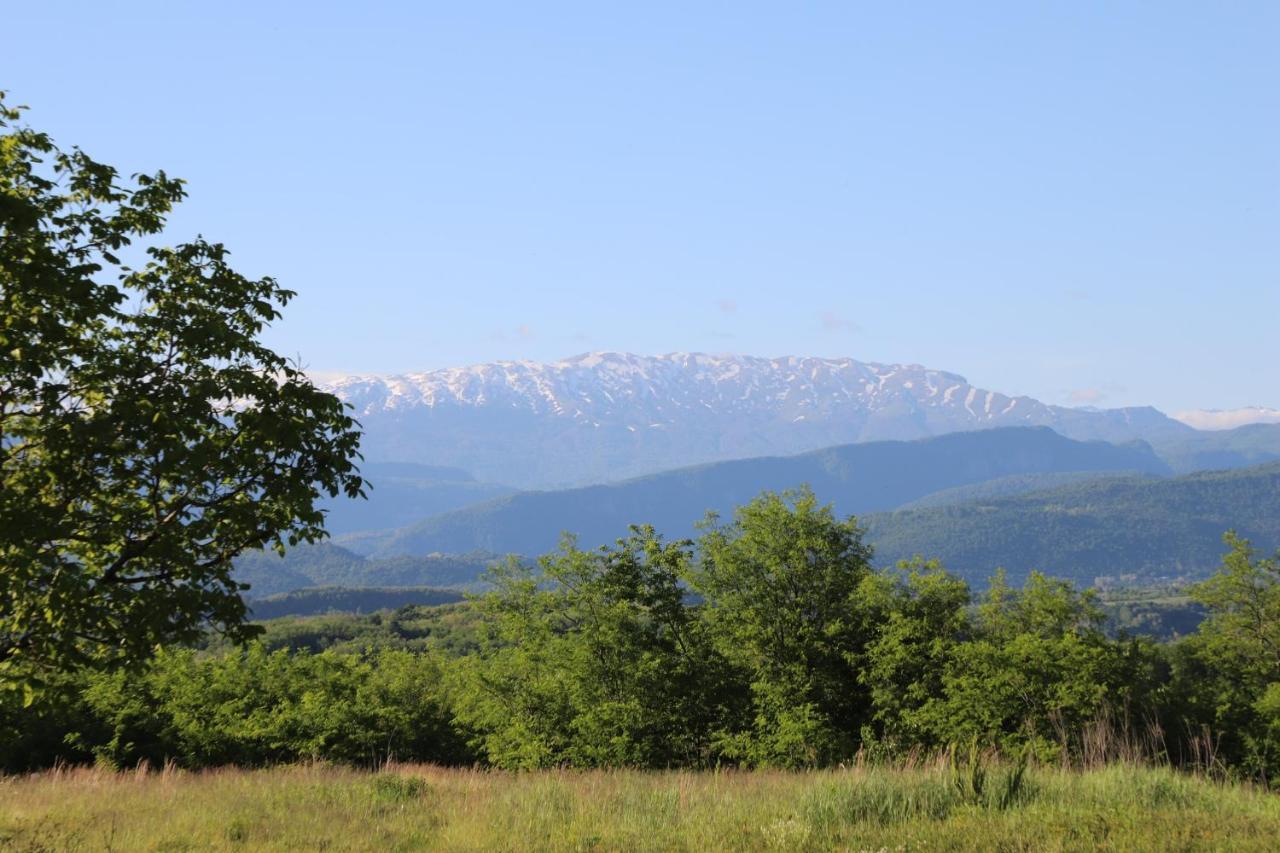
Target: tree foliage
<point x="594" y="660"/>
<point x="766" y="642"/>
<point x="781" y="588"/>
<point x="1227" y="675"/>
<point x="147" y="436"/>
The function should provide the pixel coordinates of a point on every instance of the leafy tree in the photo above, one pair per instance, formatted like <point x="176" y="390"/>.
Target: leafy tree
<point x="1227" y="677"/>
<point x="923" y="621"/>
<point x="147" y="437"/>
<point x="1037" y="669"/>
<point x="594" y="660"/>
<point x="781" y="585"/>
<point x="258" y="707"/>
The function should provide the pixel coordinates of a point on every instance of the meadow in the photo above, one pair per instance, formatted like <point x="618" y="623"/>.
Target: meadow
<point x="419" y="807"/>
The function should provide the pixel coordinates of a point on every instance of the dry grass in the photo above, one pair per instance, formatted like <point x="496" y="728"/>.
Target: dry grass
<point x="1121" y="807"/>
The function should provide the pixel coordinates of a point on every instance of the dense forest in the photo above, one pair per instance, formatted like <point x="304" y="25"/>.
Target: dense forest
<point x="770" y="641"/>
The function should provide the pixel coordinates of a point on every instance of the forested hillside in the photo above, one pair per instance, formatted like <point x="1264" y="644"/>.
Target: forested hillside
<point x="1139" y="529"/>
<point x="857" y="479"/>
<point x="328" y="565"/>
<point x="336" y="599"/>
<point x="1253" y="444"/>
<point x="1149" y="528"/>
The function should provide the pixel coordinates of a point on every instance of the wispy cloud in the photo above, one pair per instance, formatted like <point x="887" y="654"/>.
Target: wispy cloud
<point x="835" y="323"/>
<point x="523" y="332"/>
<point x="1086" y="396"/>
<point x="1094" y="396"/>
<point x="727" y="306"/>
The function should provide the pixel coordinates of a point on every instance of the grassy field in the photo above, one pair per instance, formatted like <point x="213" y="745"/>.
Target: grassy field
<point x="427" y="808"/>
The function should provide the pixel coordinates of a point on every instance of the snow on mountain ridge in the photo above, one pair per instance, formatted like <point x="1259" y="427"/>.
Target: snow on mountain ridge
<point x="681" y="378"/>
<point x="606" y="415"/>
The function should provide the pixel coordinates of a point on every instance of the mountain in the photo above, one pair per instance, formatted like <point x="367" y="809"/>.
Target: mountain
<point x="606" y="416"/>
<point x="400" y="493"/>
<point x="858" y="478"/>
<point x="1141" y="527"/>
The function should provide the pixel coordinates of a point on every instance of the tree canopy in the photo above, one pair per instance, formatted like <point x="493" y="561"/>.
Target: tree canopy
<point x="147" y="436"/>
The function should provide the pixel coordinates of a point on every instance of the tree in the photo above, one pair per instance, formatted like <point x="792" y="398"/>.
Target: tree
<point x="1037" y="669"/>
<point x="781" y="589"/>
<point x="594" y="660"/>
<point x="923" y="621"/>
<point x="1228" y="673"/>
<point x="147" y="437"/>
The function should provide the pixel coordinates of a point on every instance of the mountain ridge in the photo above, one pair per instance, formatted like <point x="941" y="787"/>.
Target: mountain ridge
<point x="606" y="416"/>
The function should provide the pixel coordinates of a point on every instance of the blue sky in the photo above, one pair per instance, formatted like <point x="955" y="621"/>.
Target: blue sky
<point x="1078" y="201"/>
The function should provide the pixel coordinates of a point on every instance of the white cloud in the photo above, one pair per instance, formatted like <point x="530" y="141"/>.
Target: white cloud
<point x="1086" y="396"/>
<point x="1228" y="419"/>
<point x="833" y="322"/>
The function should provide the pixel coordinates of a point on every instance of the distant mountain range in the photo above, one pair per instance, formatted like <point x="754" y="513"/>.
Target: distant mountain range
<point x="934" y="465"/>
<point x="857" y="478"/>
<point x="603" y="417"/>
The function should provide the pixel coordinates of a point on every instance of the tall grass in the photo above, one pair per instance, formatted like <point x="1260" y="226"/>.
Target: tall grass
<point x="961" y="802"/>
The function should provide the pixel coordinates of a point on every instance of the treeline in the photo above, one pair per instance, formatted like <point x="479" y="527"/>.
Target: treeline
<point x="770" y="641"/>
<point x="307" y="602"/>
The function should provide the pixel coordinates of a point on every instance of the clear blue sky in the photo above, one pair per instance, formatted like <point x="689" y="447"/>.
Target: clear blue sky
<point x="1078" y="201"/>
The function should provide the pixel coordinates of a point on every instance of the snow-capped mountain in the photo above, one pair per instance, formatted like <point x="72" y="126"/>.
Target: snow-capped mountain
<point x="605" y="416"/>
<point x="1217" y="419"/>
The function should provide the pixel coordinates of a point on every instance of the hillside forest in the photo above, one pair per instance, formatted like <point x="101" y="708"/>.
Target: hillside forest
<point x="770" y="640"/>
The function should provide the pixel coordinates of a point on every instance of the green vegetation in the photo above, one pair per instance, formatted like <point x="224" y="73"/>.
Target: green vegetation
<point x="1007" y="487"/>
<point x="1152" y="529"/>
<point x="452" y="629"/>
<point x="1139" y="531"/>
<point x="1121" y="807"/>
<point x="336" y="599"/>
<point x="1162" y="613"/>
<point x="147" y="437"/>
<point x="1252" y="444"/>
<point x="771" y="642"/>
<point x="324" y="564"/>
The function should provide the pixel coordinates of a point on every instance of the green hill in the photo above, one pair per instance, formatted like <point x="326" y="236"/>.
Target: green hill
<point x="1202" y="450"/>
<point x="1006" y="487"/>
<point x="1141" y="527"/>
<point x="328" y="565"/>
<point x="330" y="599"/>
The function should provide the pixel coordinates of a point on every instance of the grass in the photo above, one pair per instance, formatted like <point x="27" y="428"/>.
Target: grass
<point x="1121" y="807"/>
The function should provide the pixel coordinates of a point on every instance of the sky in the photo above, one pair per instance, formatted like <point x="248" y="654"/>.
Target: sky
<point x="1076" y="201"/>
